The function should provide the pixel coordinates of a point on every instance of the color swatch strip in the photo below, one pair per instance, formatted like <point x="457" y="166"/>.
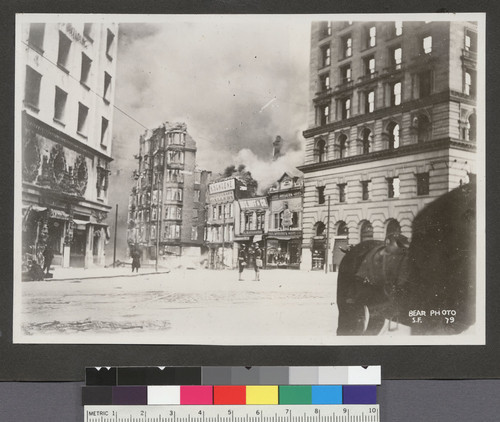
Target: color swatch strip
<point x="229" y="395"/>
<point x="234" y="375"/>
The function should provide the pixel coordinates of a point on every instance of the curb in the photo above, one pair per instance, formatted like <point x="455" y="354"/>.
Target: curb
<point x="106" y="276"/>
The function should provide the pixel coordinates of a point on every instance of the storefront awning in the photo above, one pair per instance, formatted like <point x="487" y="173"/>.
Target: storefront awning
<point x="80" y="224"/>
<point x="285" y="237"/>
<point x="59" y="215"/>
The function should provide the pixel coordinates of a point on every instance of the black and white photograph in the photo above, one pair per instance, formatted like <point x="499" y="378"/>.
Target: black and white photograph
<point x="250" y="179"/>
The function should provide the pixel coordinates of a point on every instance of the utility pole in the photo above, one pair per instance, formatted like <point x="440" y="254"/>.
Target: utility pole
<point x="327" y="248"/>
<point x="114" y="241"/>
<point x="223" y="230"/>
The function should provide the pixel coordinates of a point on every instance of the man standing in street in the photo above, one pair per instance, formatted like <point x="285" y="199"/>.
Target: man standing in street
<point x="257" y="262"/>
<point x="242" y="261"/>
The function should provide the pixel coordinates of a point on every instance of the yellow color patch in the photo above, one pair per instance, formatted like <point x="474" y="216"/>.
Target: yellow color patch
<point x="262" y="394"/>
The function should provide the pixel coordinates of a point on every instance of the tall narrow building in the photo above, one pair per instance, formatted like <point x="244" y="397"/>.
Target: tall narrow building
<point x="392" y="126"/>
<point x="66" y="79"/>
<point x="167" y="204"/>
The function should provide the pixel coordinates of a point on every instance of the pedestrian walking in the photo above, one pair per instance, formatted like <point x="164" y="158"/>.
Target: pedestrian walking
<point x="136" y="259"/>
<point x="48" y="256"/>
<point x="242" y="262"/>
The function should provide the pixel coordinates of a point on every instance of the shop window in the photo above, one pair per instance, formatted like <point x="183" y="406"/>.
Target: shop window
<point x="63" y="52"/>
<point x="85" y="69"/>
<point x="321" y="194"/>
<point x="109" y="44"/>
<point x="365" y="190"/>
<point x="396" y="94"/>
<point x="346" y="108"/>
<point x="345" y="74"/>
<point x="104" y="131"/>
<point x="342" y="192"/>
<point x="83" y="113"/>
<point x="427" y="44"/>
<point x="369" y="101"/>
<point x="107" y="86"/>
<point x="393" y="187"/>
<point x="325" y="56"/>
<point x="423" y="184"/>
<point x="346" y="46"/>
<point x="36" y="36"/>
<point x="32" y="88"/>
<point x="60" y="105"/>
<point x="425" y="83"/>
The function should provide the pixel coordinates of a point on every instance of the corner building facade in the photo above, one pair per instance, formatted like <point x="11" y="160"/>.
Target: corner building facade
<point x="66" y="97"/>
<point x="392" y="126"/>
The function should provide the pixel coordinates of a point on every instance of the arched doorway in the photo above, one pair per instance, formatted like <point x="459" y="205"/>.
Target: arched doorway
<point x="366" y="231"/>
<point x="318" y="246"/>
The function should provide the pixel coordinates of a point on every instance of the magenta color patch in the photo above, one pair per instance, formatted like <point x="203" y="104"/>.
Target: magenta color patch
<point x="196" y="394"/>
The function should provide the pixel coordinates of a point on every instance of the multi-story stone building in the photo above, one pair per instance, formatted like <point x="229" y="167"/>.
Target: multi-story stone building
<point x="167" y="204"/>
<point x="392" y="125"/>
<point x="66" y="79"/>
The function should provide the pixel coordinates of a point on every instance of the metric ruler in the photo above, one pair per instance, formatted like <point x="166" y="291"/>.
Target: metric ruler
<point x="233" y="413"/>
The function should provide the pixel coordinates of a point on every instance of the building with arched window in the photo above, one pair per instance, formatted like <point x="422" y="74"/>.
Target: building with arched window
<point x="401" y="127"/>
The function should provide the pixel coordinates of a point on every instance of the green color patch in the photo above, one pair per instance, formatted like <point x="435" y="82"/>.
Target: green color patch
<point x="295" y="394"/>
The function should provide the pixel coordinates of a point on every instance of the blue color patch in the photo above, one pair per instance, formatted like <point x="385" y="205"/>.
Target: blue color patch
<point x="326" y="394"/>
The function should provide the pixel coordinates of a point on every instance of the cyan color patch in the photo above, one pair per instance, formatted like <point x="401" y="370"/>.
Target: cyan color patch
<point x="326" y="394"/>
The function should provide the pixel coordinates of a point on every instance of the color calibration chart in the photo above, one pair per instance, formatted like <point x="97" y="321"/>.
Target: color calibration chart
<point x="232" y="394"/>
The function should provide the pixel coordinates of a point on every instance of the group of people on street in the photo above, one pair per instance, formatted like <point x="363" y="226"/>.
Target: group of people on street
<point x="251" y="257"/>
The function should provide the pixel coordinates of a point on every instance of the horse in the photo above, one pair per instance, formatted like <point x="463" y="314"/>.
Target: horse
<point x="428" y="284"/>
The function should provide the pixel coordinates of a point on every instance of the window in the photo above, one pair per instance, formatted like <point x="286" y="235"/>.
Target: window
<point x="260" y="221"/>
<point x="325" y="29"/>
<point x="195" y="213"/>
<point x="174" y="194"/>
<point x="174" y="176"/>
<point x="370" y="36"/>
<point x="342" y="143"/>
<point x="369" y="65"/>
<point x="470" y="83"/>
<point x="194" y="233"/>
<point x="342" y="192"/>
<point x="365" y="190"/>
<point x="172" y="231"/>
<point x="230" y="206"/>
<point x="196" y="195"/>
<point x="346" y="46"/>
<point x="393" y="187"/>
<point x="85" y="69"/>
<point x="87" y="31"/>
<point x="424" y="83"/>
<point x="175" y="157"/>
<point x="324" y="114"/>
<point x="197" y="177"/>
<point x="104" y="131"/>
<point x="83" y="113"/>
<point x="470" y="41"/>
<point x="32" y="88"/>
<point x="320" y="151"/>
<point x="324" y="82"/>
<point x="107" y="86"/>
<point x="369" y="101"/>
<point x="36" y="35"/>
<point x="60" y="104"/>
<point x="63" y="53"/>
<point x="346" y="108"/>
<point x="345" y="74"/>
<point x="214" y="212"/>
<point x="396" y="57"/>
<point x="276" y="220"/>
<point x="398" y="28"/>
<point x="325" y="56"/>
<point x="427" y="44"/>
<point x="109" y="44"/>
<point x="321" y="194"/>
<point x="423" y="128"/>
<point x="423" y="183"/>
<point x="396" y="94"/>
<point x="470" y="129"/>
<point x="393" y="136"/>
<point x="365" y="141"/>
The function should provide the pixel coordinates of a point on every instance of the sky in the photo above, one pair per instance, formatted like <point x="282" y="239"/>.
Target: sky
<point x="237" y="82"/>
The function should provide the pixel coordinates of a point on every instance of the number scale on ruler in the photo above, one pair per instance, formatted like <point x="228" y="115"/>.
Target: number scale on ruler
<point x="240" y="413"/>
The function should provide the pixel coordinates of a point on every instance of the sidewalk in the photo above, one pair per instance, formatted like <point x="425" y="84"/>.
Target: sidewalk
<point x="62" y="274"/>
